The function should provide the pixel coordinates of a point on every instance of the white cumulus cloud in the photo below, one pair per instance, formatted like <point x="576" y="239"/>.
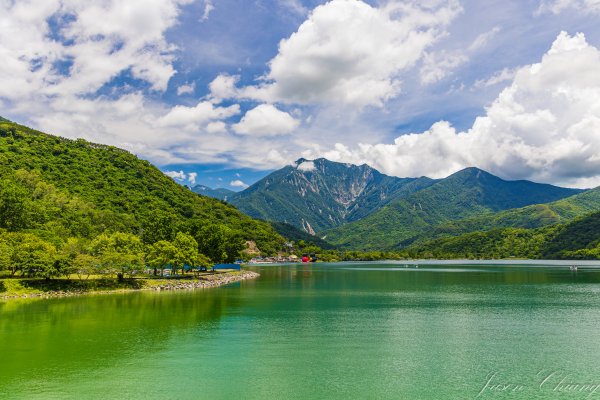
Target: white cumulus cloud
<point x="192" y="177"/>
<point x="545" y="126"/>
<point x="223" y="86"/>
<point x="238" y="183"/>
<point x="179" y="175"/>
<point x="94" y="43"/>
<point x="187" y="88"/>
<point x="266" y="120"/>
<point x="306" y="166"/>
<point x="351" y="53"/>
<point x="202" y="113"/>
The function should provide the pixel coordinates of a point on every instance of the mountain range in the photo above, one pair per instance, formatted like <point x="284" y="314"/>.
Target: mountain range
<point x="219" y="193"/>
<point x="357" y="207"/>
<point x="320" y="194"/>
<point x="60" y="190"/>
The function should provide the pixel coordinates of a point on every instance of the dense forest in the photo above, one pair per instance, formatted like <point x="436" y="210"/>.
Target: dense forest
<point x="578" y="239"/>
<point x="69" y="205"/>
<point x="447" y="205"/>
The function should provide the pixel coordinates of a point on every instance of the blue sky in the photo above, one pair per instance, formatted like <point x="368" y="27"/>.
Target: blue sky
<point x="229" y="90"/>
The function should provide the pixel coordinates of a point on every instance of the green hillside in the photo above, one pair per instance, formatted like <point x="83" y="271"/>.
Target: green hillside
<point x="468" y="193"/>
<point x="578" y="239"/>
<point x="534" y="216"/>
<point x="58" y="189"/>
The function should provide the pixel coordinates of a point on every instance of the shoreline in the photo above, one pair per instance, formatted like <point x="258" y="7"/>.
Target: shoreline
<point x="146" y="284"/>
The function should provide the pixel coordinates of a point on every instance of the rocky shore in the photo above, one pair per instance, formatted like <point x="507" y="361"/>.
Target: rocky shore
<point x="210" y="281"/>
<point x="206" y="281"/>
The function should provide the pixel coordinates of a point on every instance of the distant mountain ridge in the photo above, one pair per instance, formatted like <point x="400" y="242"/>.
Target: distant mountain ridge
<point x="319" y="194"/>
<point x="218" y="193"/>
<point x="360" y="208"/>
<point x="468" y="193"/>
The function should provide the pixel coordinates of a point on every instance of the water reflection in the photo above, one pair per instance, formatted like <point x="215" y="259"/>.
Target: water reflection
<point x="82" y="332"/>
<point x="353" y="330"/>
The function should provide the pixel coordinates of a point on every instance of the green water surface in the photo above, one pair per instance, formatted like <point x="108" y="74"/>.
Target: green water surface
<point x="324" y="331"/>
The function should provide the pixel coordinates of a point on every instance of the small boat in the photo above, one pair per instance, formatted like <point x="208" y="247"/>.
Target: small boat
<point x="574" y="268"/>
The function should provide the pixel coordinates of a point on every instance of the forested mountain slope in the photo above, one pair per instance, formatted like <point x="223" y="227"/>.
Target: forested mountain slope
<point x="577" y="239"/>
<point x="468" y="193"/>
<point x="59" y="188"/>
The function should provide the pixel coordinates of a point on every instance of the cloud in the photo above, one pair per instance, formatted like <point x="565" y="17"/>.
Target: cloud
<point x="64" y="64"/>
<point x="506" y="74"/>
<point x="545" y="126"/>
<point x="186" y="89"/>
<point x="306" y="166"/>
<point x="193" y="117"/>
<point x="440" y="64"/>
<point x="437" y="66"/>
<point x="178" y="175"/>
<point x="208" y="8"/>
<point x="558" y="6"/>
<point x="223" y="86"/>
<point x="216" y="127"/>
<point x="266" y="120"/>
<point x="192" y="177"/>
<point x="92" y="44"/>
<point x="294" y="6"/>
<point x="332" y="57"/>
<point x="238" y="183"/>
<point x="483" y="39"/>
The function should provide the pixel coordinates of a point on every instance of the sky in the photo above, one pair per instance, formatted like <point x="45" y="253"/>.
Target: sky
<point x="221" y="92"/>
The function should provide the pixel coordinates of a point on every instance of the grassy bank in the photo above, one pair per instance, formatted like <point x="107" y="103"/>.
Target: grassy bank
<point x="32" y="287"/>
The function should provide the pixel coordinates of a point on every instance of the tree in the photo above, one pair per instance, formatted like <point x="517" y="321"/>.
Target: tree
<point x="6" y="251"/>
<point x="188" y="250"/>
<point x="14" y="205"/>
<point x="85" y="265"/>
<point x="161" y="254"/>
<point x="35" y="257"/>
<point x="234" y="244"/>
<point x="119" y="253"/>
<point x="157" y="225"/>
<point x="211" y="242"/>
<point x="202" y="262"/>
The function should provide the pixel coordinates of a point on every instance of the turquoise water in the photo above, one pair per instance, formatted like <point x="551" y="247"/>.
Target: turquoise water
<point x="335" y="331"/>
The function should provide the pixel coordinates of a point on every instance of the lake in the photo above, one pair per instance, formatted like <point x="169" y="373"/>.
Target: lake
<point x="336" y="331"/>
